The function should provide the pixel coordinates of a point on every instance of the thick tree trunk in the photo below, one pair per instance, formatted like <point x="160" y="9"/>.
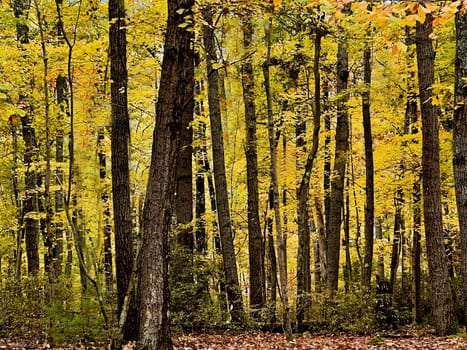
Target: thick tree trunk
<point x="255" y="238"/>
<point x="340" y="162"/>
<point x="176" y="97"/>
<point x="437" y="262"/>
<point x="223" y="212"/>
<point x="460" y="143"/>
<point x="120" y="138"/>
<point x="369" y="170"/>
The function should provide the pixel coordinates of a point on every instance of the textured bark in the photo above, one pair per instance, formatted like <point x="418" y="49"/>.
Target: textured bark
<point x="460" y="143"/>
<point x="220" y="182"/>
<point x="175" y="97"/>
<point x="369" y="170"/>
<point x="184" y="187"/>
<point x="120" y="138"/>
<point x="337" y="180"/>
<point x="437" y="262"/>
<point x="255" y="237"/>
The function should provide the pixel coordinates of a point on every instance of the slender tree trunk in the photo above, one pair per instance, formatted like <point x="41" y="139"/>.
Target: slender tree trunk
<point x="223" y="212"/>
<point x="176" y="97"/>
<point x="379" y="238"/>
<point x="303" y="254"/>
<point x="106" y="217"/>
<point x="437" y="262"/>
<point x="340" y="161"/>
<point x="281" y="248"/>
<point x="271" y="266"/>
<point x="200" y="205"/>
<point x="460" y="143"/>
<point x="255" y="238"/>
<point x="399" y="227"/>
<point x="369" y="170"/>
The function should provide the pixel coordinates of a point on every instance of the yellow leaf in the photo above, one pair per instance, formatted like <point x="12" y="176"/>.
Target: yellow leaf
<point x="277" y="2"/>
<point x="413" y="7"/>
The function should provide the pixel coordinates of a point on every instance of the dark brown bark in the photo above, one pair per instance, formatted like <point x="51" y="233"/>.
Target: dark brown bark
<point x="184" y="187"/>
<point x="120" y="138"/>
<point x="437" y="262"/>
<point x="255" y="237"/>
<point x="340" y="162"/>
<point x="460" y="143"/>
<point x="175" y="97"/>
<point x="220" y="182"/>
<point x="369" y="170"/>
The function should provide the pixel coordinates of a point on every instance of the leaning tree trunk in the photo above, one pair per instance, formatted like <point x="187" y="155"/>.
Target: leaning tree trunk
<point x="176" y="96"/>
<point x="460" y="143"/>
<point x="437" y="262"/>
<point x="255" y="238"/>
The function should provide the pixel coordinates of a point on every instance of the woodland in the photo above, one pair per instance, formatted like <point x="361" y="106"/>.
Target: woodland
<point x="233" y="174"/>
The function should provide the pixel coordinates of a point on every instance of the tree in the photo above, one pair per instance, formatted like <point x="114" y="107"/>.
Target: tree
<point x="437" y="262"/>
<point x="274" y="197"/>
<point x="303" y="254"/>
<point x="220" y="182"/>
<point x="340" y="161"/>
<point x="255" y="238"/>
<point x="460" y="141"/>
<point x="175" y="96"/>
<point x="369" y="169"/>
<point x="120" y="138"/>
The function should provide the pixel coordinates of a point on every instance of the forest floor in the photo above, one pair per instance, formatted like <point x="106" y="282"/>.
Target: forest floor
<point x="274" y="341"/>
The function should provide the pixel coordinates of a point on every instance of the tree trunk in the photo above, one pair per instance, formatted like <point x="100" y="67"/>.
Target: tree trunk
<point x="120" y="138"/>
<point x="303" y="254"/>
<point x="31" y="224"/>
<point x="340" y="161"/>
<point x="369" y="170"/>
<point x="255" y="238"/>
<point x="106" y="219"/>
<point x="176" y="97"/>
<point x="281" y="248"/>
<point x="223" y="212"/>
<point x="460" y="143"/>
<point x="271" y="266"/>
<point x="437" y="262"/>
<point x="399" y="227"/>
